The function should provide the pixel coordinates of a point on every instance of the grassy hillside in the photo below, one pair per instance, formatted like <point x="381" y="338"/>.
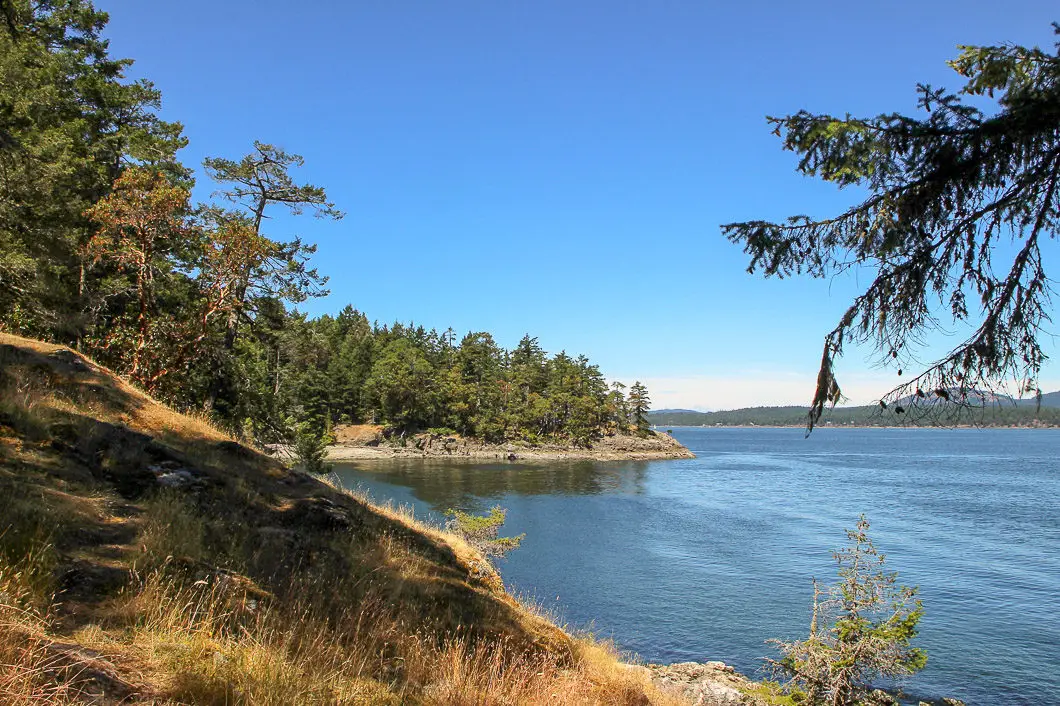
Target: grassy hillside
<point x="145" y="557"/>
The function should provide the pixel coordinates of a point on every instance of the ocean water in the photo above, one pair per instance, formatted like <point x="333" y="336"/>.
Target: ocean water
<point x="709" y="558"/>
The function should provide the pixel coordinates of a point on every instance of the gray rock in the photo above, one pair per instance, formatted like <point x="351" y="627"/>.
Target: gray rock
<point x="703" y="684"/>
<point x="176" y="479"/>
<point x="70" y="360"/>
<point x="320" y="513"/>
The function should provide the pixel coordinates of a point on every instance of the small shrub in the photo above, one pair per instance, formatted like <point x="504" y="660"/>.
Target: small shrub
<point x="868" y="622"/>
<point x="311" y="448"/>
<point x="480" y="531"/>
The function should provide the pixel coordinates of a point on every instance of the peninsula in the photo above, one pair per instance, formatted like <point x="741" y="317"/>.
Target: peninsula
<point x="368" y="442"/>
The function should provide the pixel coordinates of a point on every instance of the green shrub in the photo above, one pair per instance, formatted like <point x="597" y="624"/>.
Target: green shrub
<point x="311" y="448"/>
<point x="480" y="531"/>
<point x="860" y="631"/>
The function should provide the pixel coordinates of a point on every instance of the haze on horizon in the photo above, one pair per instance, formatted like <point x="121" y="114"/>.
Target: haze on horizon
<point x="562" y="169"/>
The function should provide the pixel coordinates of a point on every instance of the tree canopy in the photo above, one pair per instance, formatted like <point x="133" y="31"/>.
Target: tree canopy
<point x="945" y="189"/>
<point x="69" y="125"/>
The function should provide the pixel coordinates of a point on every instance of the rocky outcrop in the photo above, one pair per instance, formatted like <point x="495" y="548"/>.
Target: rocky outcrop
<point x="704" y="684"/>
<point x="362" y="442"/>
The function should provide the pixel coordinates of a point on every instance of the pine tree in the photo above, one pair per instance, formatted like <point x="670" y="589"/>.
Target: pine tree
<point x="861" y="630"/>
<point x="639" y="404"/>
<point x="257" y="181"/>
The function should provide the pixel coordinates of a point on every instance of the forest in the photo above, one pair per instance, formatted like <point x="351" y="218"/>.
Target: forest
<point x="103" y="249"/>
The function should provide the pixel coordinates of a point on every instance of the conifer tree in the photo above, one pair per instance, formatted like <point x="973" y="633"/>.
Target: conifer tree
<point x="257" y="181"/>
<point x="861" y="630"/>
<point x="70" y="125"/>
<point x="944" y="190"/>
<point x="639" y="404"/>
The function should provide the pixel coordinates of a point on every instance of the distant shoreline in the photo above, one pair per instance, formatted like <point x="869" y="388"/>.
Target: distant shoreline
<point x="899" y="415"/>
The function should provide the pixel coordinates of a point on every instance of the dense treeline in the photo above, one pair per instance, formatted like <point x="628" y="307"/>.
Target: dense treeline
<point x="343" y="369"/>
<point x="101" y="248"/>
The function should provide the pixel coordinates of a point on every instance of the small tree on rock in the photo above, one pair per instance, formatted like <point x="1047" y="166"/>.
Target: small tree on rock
<point x="639" y="403"/>
<point x="860" y="631"/>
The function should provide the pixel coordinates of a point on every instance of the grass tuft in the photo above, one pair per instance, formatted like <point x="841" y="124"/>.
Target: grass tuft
<point x="27" y="669"/>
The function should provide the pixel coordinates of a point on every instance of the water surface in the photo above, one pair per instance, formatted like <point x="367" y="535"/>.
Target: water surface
<point x="708" y="558"/>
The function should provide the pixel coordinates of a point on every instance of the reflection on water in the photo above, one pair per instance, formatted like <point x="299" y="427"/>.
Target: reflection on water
<point x="460" y="483"/>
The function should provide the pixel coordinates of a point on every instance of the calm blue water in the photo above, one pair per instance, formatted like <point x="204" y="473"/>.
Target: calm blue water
<point x="708" y="558"/>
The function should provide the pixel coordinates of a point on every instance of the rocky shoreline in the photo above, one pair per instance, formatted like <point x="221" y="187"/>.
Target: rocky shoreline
<point x="718" y="684"/>
<point x="703" y="684"/>
<point x="367" y="442"/>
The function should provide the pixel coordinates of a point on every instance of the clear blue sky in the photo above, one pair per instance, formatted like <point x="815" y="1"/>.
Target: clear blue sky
<point x="561" y="168"/>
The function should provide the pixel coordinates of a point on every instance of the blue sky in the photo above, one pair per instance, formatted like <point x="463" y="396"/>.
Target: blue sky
<point x="561" y="168"/>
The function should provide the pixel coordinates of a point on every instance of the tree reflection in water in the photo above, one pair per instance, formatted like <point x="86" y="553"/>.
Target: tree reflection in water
<point x="445" y="483"/>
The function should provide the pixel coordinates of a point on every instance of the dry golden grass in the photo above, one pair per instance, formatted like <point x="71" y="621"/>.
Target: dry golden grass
<point x="211" y="644"/>
<point x="212" y="648"/>
<point x="405" y="516"/>
<point x="27" y="670"/>
<point x="171" y="529"/>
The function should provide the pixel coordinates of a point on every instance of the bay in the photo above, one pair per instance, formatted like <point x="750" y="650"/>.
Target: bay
<point x="707" y="558"/>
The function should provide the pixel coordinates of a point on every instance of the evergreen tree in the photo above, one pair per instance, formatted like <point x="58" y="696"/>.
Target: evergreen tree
<point x="482" y="531"/>
<point x="311" y="447"/>
<point x="480" y="387"/>
<point x="618" y="410"/>
<point x="860" y="631"/>
<point x="70" y="125"/>
<point x="639" y="404"/>
<point x="401" y="387"/>
<point x="256" y="182"/>
<point x="350" y="364"/>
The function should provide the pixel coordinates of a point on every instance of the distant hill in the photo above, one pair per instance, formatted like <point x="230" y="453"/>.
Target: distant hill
<point x="762" y="416"/>
<point x="675" y="411"/>
<point x="1049" y="399"/>
<point x="1002" y="412"/>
